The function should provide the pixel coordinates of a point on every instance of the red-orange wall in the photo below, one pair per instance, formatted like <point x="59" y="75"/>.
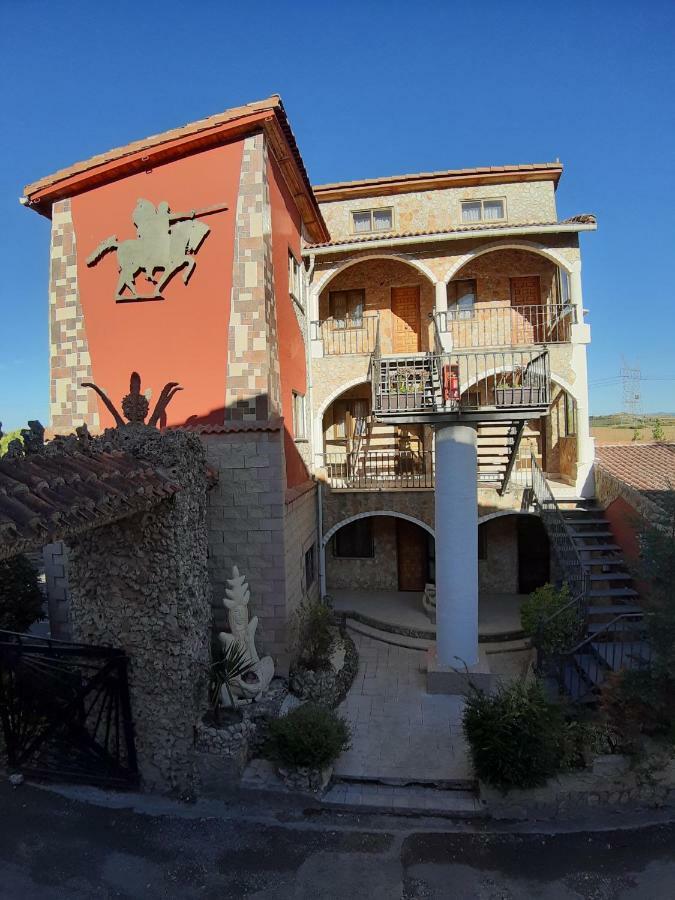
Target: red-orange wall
<point x="184" y="336"/>
<point x="286" y="227"/>
<point x="626" y="525"/>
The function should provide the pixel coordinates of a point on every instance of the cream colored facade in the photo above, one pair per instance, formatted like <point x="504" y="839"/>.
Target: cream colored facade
<point x="492" y="256"/>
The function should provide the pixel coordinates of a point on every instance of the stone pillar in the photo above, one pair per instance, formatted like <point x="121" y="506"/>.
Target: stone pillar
<point x="456" y="546"/>
<point x="441" y="296"/>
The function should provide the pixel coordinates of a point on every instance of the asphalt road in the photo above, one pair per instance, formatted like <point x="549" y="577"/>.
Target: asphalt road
<point x="53" y="846"/>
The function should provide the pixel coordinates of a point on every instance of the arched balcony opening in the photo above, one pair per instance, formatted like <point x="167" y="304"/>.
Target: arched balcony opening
<point x="507" y="298"/>
<point x="361" y="453"/>
<point x="378" y="300"/>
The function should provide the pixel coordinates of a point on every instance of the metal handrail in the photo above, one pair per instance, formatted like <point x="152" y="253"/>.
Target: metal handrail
<point x="574" y="570"/>
<point x="499" y="325"/>
<point x="393" y="469"/>
<point x="346" y="336"/>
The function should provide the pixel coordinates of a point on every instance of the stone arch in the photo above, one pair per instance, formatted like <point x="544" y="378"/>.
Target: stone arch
<point x="530" y="246"/>
<point x="505" y="512"/>
<point x="375" y="512"/>
<point x="330" y="274"/>
<point x="325" y="405"/>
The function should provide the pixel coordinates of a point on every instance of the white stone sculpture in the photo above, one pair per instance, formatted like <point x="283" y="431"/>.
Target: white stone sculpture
<point x="250" y="686"/>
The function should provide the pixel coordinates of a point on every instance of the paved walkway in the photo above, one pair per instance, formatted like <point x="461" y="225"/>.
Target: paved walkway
<point x="399" y="732"/>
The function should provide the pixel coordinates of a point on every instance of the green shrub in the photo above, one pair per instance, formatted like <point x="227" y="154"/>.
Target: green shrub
<point x="20" y="597"/>
<point x="314" y="634"/>
<point x="582" y="740"/>
<point x="516" y="737"/>
<point x="639" y="702"/>
<point x="310" y="735"/>
<point x="560" y="633"/>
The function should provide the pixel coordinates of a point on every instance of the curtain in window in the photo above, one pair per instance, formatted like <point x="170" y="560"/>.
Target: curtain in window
<point x="361" y="221"/>
<point x="382" y="220"/>
<point x="470" y="212"/>
<point x="493" y="209"/>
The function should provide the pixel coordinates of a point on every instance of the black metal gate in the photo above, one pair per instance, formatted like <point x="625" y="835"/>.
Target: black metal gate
<point x="65" y="711"/>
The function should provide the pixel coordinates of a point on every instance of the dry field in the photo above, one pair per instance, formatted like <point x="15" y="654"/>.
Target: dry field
<point x="612" y="434"/>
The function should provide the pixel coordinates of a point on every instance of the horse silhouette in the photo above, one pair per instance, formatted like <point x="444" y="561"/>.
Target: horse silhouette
<point x="165" y="243"/>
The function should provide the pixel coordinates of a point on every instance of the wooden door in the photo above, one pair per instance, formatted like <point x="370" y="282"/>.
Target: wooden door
<point x="528" y="323"/>
<point x="411" y="552"/>
<point x="405" y="312"/>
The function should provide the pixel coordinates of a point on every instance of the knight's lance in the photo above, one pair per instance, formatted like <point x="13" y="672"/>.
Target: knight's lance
<point x="195" y="213"/>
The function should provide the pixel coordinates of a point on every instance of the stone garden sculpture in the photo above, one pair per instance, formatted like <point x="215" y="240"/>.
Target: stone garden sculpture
<point x="250" y="686"/>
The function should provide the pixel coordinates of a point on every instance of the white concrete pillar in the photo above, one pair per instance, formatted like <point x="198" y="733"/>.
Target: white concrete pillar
<point x="441" y="296"/>
<point x="456" y="546"/>
<point x="581" y="337"/>
<point x="441" y="306"/>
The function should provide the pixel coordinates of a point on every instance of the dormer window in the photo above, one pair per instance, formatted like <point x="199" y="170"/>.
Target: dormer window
<point x="493" y="210"/>
<point x="367" y="220"/>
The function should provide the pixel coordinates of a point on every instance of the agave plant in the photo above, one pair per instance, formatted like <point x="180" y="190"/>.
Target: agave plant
<point x="234" y="662"/>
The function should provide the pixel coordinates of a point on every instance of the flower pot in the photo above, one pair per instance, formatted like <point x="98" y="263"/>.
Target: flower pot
<point x="516" y="396"/>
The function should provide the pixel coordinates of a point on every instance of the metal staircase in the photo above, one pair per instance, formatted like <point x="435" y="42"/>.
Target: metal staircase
<point x="497" y="449"/>
<point x="612" y="632"/>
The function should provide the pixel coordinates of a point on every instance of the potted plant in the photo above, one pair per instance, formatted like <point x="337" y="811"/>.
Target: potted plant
<point x="510" y="391"/>
<point x="231" y="663"/>
<point x="405" y="390"/>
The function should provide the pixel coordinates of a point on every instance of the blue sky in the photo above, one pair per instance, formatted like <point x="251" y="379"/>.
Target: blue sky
<point x="371" y="89"/>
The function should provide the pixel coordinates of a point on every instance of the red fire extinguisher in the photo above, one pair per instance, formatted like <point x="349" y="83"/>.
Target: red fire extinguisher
<point x="450" y="383"/>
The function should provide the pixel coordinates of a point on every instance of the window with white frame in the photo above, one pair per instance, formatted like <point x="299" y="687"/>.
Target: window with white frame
<point x="365" y="220"/>
<point x="299" y="417"/>
<point x="294" y="277"/>
<point x="492" y="210"/>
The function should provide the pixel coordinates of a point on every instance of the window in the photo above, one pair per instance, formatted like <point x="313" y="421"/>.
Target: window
<point x="346" y="308"/>
<point x="461" y="299"/>
<point x="570" y="415"/>
<point x="294" y="277"/>
<point x="299" y="422"/>
<point x="355" y="541"/>
<point x="483" y="211"/>
<point x="310" y="567"/>
<point x="366" y="220"/>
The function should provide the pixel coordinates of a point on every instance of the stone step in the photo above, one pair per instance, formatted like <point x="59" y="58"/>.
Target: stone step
<point x="391" y="637"/>
<point x="410" y="800"/>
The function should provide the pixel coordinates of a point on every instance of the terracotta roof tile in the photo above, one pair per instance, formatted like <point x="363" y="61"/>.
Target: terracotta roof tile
<point x="647" y="468"/>
<point x="47" y="498"/>
<point x="231" y="427"/>
<point x="586" y="219"/>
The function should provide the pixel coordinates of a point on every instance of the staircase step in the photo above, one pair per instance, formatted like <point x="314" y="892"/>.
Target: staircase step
<point x="610" y="576"/>
<point x="605" y="561"/>
<point x="629" y="625"/>
<point x="623" y="654"/>
<point x="613" y="592"/>
<point x="614" y="609"/>
<point x="410" y="800"/>
<point x="593" y="669"/>
<point x="598" y="547"/>
<point x="601" y="532"/>
<point x="581" y="521"/>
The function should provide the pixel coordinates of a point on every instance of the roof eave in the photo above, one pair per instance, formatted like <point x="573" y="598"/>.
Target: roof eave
<point x="458" y="235"/>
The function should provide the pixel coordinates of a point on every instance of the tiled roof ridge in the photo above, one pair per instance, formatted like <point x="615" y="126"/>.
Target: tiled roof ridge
<point x="585" y="219"/>
<point x="441" y="173"/>
<point x="154" y="140"/>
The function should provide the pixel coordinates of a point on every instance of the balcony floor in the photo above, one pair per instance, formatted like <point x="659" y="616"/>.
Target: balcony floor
<point x="498" y="614"/>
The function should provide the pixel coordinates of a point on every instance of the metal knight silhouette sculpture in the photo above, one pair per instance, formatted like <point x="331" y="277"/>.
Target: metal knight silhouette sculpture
<point x="167" y="242"/>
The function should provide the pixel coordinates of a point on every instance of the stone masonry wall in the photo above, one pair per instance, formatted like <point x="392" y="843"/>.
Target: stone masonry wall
<point x="142" y="584"/>
<point x="253" y="383"/>
<point x="300" y="534"/>
<point x="378" y="573"/>
<point x="377" y="277"/>
<point x="437" y="209"/>
<point x="69" y="404"/>
<point x="246" y="513"/>
<point x="498" y="572"/>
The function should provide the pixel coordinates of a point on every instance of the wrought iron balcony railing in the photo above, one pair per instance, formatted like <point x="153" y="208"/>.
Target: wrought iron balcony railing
<point x="496" y="325"/>
<point x="504" y="381"/>
<point x="348" y="335"/>
<point x="380" y="470"/>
